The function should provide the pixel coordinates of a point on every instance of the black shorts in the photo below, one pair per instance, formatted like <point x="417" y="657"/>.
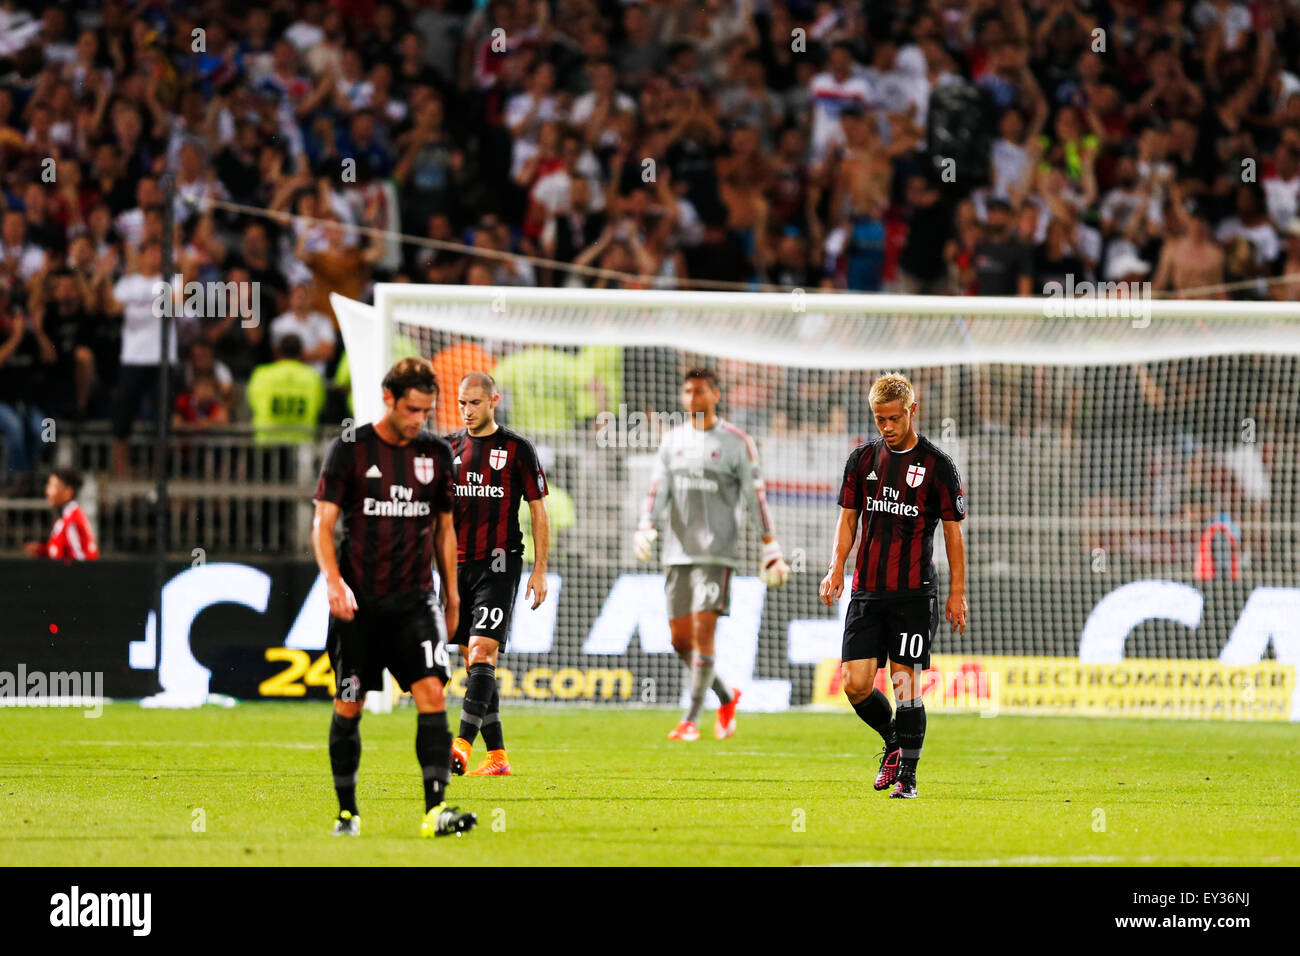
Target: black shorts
<point x="134" y="384"/>
<point x="487" y="598"/>
<point x="897" y="629"/>
<point x="404" y="633"/>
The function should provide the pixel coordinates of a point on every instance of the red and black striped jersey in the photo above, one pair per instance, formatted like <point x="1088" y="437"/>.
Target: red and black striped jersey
<point x="901" y="496"/>
<point x="492" y="474"/>
<point x="389" y="499"/>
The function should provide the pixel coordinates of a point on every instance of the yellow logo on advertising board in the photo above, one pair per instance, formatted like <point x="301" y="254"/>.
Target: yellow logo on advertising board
<point x="537" y="683"/>
<point x="1140" y="687"/>
<point x="560" y="683"/>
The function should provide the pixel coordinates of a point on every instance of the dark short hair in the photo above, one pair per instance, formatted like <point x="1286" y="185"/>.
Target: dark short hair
<point x="704" y="374"/>
<point x="70" y="477"/>
<point x="411" y="373"/>
<point x="290" y="347"/>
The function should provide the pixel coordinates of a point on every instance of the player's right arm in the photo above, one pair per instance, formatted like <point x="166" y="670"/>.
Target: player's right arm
<point x="656" y="503"/>
<point x="343" y="603"/>
<point x="331" y="491"/>
<point x="845" y="530"/>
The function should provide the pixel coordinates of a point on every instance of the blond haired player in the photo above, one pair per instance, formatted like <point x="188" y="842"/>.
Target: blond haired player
<point x="901" y="485"/>
<point x="703" y="471"/>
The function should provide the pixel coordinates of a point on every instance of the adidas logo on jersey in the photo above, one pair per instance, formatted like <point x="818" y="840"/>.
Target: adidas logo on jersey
<point x="373" y="472"/>
<point x="872" y="476"/>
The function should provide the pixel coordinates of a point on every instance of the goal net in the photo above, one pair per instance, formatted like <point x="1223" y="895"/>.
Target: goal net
<point x="1130" y="467"/>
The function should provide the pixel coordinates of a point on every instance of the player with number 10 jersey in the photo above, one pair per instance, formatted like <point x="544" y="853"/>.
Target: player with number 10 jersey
<point x="901" y="486"/>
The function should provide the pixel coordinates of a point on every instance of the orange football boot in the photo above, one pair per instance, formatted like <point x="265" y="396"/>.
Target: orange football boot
<point x="726" y="723"/>
<point x="685" y="731"/>
<point x="460" y="751"/>
<point x="495" y="764"/>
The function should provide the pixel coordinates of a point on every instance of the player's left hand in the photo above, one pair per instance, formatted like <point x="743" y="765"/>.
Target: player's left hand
<point x="774" y="572"/>
<point x="34" y="549"/>
<point x="536" y="587"/>
<point x="956" y="610"/>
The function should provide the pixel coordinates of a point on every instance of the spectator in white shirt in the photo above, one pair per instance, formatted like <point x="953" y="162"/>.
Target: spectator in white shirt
<point x="17" y="255"/>
<point x="834" y="91"/>
<point x="135" y="297"/>
<point x="314" y="329"/>
<point x="353" y="91"/>
<point x="130" y="224"/>
<point x="1252" y="224"/>
<point x="592" y="112"/>
<point x="1282" y="187"/>
<point x="527" y="111"/>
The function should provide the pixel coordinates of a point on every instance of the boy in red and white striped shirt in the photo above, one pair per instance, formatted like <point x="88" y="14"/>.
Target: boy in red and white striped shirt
<point x="71" y="539"/>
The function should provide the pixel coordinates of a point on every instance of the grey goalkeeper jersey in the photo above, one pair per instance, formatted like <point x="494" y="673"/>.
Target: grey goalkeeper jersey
<point x="702" y="480"/>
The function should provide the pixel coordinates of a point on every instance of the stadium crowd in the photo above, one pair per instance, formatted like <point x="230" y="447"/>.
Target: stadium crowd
<point x="964" y="147"/>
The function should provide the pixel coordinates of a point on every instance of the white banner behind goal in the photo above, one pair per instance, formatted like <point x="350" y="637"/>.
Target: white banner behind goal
<point x="1131" y="472"/>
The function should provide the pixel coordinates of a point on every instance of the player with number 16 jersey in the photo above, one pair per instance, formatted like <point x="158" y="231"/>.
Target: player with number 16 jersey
<point x="391" y="484"/>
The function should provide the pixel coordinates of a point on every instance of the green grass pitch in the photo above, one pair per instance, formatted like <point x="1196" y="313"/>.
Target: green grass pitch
<point x="604" y="786"/>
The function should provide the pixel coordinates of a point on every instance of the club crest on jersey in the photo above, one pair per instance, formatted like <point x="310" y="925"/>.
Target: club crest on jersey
<point x="915" y="475"/>
<point x="497" y="459"/>
<point x="716" y="454"/>
<point x="423" y="469"/>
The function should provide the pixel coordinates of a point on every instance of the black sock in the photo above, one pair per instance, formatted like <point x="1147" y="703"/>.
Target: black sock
<point x="493" y="738"/>
<point x="478" y="697"/>
<point x="879" y="716"/>
<point x="433" y="750"/>
<point x="911" y="732"/>
<point x="345" y="757"/>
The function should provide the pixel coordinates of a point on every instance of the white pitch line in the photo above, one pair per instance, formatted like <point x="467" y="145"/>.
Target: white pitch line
<point x="709" y="753"/>
<point x="197" y="743"/>
<point x="1003" y="861"/>
<point x="1048" y="860"/>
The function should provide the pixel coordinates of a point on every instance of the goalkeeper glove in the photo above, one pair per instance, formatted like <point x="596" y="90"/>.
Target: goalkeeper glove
<point x="643" y="541"/>
<point x="774" y="572"/>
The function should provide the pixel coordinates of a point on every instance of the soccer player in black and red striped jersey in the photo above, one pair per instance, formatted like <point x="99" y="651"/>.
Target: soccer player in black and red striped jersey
<point x="495" y="468"/>
<point x="392" y="484"/>
<point x="901" y="485"/>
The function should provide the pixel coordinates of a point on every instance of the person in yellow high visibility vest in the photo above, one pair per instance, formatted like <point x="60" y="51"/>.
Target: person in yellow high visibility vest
<point x="286" y="397"/>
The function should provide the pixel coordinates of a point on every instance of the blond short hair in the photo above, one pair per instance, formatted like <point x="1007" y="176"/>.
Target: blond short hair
<point x="892" y="388"/>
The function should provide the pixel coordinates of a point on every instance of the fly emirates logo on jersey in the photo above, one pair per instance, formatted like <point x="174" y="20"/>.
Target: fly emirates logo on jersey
<point x="400" y="504"/>
<point x="475" y="488"/>
<point x="889" y="503"/>
<point x="689" y="469"/>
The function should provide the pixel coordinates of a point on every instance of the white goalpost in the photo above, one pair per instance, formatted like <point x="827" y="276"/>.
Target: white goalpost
<point x="1132" y="470"/>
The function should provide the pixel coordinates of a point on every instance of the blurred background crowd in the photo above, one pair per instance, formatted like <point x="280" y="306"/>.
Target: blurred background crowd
<point x="962" y="147"/>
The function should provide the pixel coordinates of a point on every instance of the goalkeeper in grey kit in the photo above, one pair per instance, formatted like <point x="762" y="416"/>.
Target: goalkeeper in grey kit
<point x="702" y="472"/>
